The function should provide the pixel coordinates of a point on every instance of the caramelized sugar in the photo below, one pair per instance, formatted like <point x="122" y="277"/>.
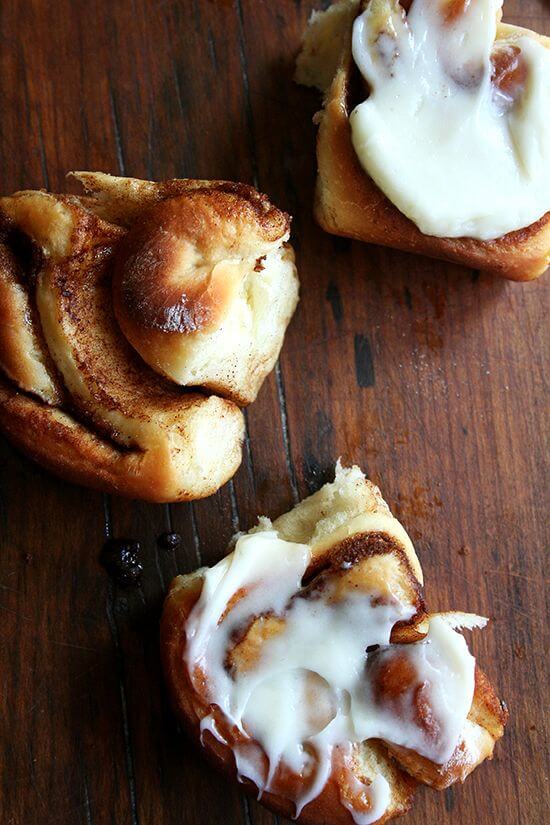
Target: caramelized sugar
<point x="509" y="70"/>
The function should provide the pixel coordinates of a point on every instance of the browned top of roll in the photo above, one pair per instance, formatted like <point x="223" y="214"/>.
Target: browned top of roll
<point x="74" y="394"/>
<point x="177" y="269"/>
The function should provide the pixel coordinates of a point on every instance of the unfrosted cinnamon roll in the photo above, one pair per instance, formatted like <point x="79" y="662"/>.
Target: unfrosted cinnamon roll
<point x="109" y="301"/>
<point x="308" y="667"/>
<point x="434" y="135"/>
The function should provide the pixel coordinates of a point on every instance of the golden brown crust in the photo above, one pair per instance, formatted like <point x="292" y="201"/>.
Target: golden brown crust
<point x="60" y="443"/>
<point x="371" y="560"/>
<point x="23" y="357"/>
<point x="327" y="807"/>
<point x="487" y="718"/>
<point x="488" y="710"/>
<point x="65" y="447"/>
<point x="348" y="202"/>
<point x="156" y="286"/>
<point x="205" y="282"/>
<point x="79" y="399"/>
<point x="122" y="201"/>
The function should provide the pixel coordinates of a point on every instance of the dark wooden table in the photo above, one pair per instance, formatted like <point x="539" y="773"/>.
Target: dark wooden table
<point x="427" y="375"/>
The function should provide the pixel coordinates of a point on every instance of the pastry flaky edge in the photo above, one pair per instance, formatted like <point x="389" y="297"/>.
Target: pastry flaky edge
<point x="330" y="522"/>
<point x="39" y="415"/>
<point x="349" y="203"/>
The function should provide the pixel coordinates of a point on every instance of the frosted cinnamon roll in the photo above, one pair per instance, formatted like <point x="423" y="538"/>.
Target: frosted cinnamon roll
<point x="132" y="323"/>
<point x="308" y="668"/>
<point x="434" y="136"/>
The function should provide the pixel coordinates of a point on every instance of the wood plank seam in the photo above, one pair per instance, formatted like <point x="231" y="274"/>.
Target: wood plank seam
<point x="248" y="105"/>
<point x="116" y="130"/>
<point x="256" y="178"/>
<point x="42" y="149"/>
<point x="196" y="537"/>
<point x="247" y="449"/>
<point x="286" y="435"/>
<point x="129" y="758"/>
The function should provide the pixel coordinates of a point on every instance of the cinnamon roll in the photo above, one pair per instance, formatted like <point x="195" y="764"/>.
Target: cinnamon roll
<point x="134" y="321"/>
<point x="308" y="667"/>
<point x="434" y="136"/>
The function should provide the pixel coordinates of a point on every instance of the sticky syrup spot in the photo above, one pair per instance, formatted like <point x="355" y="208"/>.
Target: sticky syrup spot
<point x="120" y="558"/>
<point x="169" y="541"/>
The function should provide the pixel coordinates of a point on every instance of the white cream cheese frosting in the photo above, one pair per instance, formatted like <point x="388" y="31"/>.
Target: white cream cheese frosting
<point x="455" y="153"/>
<point x="318" y="685"/>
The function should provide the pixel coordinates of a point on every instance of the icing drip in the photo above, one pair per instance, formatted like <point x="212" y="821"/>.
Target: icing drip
<point x="286" y="667"/>
<point x="455" y="130"/>
<point x="377" y="795"/>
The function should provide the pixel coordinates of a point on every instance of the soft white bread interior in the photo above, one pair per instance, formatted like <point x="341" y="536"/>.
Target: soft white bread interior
<point x="343" y="561"/>
<point x="349" y="506"/>
<point x="323" y="43"/>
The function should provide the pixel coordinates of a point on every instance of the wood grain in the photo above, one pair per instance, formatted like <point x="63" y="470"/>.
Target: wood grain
<point x="427" y="375"/>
